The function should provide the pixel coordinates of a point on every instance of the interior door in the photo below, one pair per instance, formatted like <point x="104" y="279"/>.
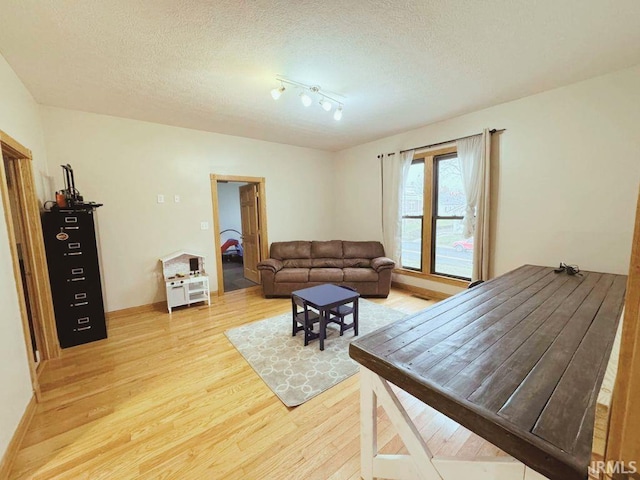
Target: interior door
<point x="250" y="231"/>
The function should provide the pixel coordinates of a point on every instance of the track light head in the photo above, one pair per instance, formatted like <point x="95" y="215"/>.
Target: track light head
<point x="305" y="99"/>
<point x="276" y="92"/>
<point x="337" y="115"/>
<point x="325" y="104"/>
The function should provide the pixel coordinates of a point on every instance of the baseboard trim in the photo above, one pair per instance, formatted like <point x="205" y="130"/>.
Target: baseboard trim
<point x="16" y="441"/>
<point x="422" y="292"/>
<point x="240" y="290"/>
<point x="149" y="307"/>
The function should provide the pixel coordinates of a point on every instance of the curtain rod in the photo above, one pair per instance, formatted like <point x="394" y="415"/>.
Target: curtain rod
<point x="449" y="141"/>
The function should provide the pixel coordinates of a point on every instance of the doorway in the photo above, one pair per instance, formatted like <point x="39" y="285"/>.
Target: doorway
<point x="239" y="213"/>
<point x="22" y="216"/>
<point x="19" y="244"/>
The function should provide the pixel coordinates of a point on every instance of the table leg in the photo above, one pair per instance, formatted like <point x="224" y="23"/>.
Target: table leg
<point x="323" y="326"/>
<point x="294" y="328"/>
<point x="355" y="318"/>
<point x="368" y="424"/>
<point x="419" y="463"/>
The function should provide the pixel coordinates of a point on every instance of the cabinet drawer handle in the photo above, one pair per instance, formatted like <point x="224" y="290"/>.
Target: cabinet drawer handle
<point x="71" y="228"/>
<point x="179" y="286"/>
<point x="70" y="219"/>
<point x="78" y="279"/>
<point x="74" y="245"/>
<point x="83" y="328"/>
<point x="83" y="320"/>
<point x="80" y="296"/>
<point x="74" y="253"/>
<point x="77" y="271"/>
<point x="80" y="304"/>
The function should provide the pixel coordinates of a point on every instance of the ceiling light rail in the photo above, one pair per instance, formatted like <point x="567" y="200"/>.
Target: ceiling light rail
<point x="327" y="100"/>
<point x="422" y="147"/>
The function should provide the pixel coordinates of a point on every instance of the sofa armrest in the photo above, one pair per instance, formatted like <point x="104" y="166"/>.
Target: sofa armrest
<point x="382" y="263"/>
<point x="270" y="264"/>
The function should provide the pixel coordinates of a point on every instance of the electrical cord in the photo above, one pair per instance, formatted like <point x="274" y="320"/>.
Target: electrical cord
<point x="570" y="269"/>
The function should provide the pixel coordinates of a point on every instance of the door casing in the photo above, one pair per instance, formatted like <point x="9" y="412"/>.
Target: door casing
<point x="28" y="213"/>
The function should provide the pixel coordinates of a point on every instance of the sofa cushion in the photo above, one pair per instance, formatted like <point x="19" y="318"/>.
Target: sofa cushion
<point x="357" y="262"/>
<point x="296" y="263"/>
<point x="327" y="263"/>
<point x="330" y="249"/>
<point x="297" y="249"/>
<point x="356" y="275"/>
<point x="362" y="249"/>
<point x="292" y="275"/>
<point x="325" y="275"/>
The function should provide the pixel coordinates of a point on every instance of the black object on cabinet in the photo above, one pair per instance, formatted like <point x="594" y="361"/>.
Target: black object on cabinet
<point x="74" y="273"/>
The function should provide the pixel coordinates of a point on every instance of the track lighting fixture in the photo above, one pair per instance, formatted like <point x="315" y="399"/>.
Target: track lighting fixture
<point x="307" y="92"/>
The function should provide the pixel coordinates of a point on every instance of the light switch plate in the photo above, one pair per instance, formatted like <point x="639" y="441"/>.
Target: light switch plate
<point x="160" y="198"/>
<point x="176" y="198"/>
<point x="204" y="225"/>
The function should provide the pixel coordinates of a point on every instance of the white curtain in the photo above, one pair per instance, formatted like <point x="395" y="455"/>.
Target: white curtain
<point x="394" y="173"/>
<point x="474" y="155"/>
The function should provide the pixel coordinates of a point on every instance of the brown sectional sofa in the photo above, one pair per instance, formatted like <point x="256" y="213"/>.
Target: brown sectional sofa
<point x="301" y="264"/>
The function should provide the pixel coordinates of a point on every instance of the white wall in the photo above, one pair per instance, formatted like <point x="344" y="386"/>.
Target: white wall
<point x="126" y="163"/>
<point x="566" y="178"/>
<point x="19" y="118"/>
<point x="229" y="209"/>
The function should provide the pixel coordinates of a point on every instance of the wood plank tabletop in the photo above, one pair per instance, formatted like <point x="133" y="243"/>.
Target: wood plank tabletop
<point x="518" y="360"/>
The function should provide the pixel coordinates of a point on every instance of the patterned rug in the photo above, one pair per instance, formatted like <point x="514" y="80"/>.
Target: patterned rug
<point x="297" y="373"/>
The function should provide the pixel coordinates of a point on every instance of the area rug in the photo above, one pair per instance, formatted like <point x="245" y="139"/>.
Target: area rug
<point x="297" y="373"/>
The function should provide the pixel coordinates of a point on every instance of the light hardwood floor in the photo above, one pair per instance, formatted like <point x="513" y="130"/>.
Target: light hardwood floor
<point x="170" y="397"/>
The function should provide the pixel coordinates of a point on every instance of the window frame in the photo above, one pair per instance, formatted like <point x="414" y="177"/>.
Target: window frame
<point x="415" y="217"/>
<point x="435" y="216"/>
<point x="428" y="224"/>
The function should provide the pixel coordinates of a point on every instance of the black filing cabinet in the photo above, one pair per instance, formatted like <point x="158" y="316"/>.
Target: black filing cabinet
<point x="74" y="273"/>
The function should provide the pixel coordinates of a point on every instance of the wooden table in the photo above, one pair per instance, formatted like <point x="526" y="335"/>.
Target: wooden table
<point x="326" y="297"/>
<point x="518" y="360"/>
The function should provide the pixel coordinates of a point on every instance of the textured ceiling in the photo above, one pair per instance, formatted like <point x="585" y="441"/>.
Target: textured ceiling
<point x="210" y="65"/>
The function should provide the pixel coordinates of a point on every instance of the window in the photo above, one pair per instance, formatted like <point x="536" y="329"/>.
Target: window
<point x="433" y="207"/>
<point x="413" y="217"/>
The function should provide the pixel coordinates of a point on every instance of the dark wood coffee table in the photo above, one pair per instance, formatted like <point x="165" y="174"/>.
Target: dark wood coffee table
<point x="325" y="298"/>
